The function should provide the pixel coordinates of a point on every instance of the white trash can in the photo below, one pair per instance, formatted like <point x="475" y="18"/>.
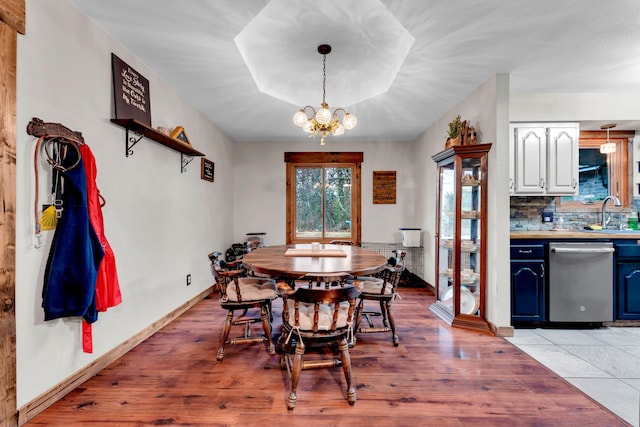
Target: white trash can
<point x="411" y="237"/>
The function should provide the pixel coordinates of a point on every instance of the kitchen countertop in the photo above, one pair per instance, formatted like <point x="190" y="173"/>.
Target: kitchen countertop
<point x="576" y="234"/>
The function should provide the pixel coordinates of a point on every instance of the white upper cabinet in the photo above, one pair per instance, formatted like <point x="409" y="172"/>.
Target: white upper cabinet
<point x="544" y="159"/>
<point x="562" y="159"/>
<point x="530" y="159"/>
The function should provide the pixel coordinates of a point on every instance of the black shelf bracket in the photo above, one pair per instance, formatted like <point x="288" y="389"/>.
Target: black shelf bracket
<point x="131" y="141"/>
<point x="185" y="160"/>
<point x="137" y="130"/>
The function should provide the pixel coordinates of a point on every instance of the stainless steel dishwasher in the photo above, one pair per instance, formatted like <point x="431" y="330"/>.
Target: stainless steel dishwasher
<point x="580" y="281"/>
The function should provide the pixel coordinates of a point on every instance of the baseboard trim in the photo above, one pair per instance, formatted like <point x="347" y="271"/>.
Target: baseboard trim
<point x="49" y="397"/>
<point x="501" y="331"/>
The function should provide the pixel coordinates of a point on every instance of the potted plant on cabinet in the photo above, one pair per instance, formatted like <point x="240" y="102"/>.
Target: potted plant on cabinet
<point x="455" y="132"/>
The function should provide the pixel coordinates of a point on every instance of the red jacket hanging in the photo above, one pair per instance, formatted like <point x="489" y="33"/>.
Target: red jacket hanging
<point x="107" y="285"/>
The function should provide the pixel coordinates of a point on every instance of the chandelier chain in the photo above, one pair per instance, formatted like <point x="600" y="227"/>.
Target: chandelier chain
<point x="324" y="77"/>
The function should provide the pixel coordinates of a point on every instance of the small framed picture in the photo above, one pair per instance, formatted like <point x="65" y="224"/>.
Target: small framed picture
<point x="179" y="134"/>
<point x="206" y="169"/>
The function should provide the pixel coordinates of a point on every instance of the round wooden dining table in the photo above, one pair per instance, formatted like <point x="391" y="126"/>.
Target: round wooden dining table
<point x="298" y="260"/>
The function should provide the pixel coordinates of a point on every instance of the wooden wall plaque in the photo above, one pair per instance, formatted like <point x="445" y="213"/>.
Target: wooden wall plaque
<point x="130" y="92"/>
<point x="384" y="187"/>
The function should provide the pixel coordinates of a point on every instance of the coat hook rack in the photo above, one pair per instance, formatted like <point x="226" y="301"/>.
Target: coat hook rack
<point x="38" y="128"/>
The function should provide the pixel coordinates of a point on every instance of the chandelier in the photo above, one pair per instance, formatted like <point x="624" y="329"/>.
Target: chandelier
<point x="609" y="147"/>
<point x="323" y="121"/>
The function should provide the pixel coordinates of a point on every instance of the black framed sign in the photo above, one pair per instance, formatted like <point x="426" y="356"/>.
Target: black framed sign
<point x="206" y="169"/>
<point x="130" y="92"/>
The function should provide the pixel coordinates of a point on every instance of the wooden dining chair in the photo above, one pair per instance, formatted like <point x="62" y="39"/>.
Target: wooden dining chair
<point x="317" y="317"/>
<point x="383" y="288"/>
<point x="343" y="242"/>
<point x="324" y="281"/>
<point x="241" y="293"/>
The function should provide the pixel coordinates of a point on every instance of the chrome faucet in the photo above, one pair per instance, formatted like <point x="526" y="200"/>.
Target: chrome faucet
<point x="616" y="202"/>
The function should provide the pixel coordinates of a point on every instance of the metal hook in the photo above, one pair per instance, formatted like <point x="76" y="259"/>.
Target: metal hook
<point x="54" y="144"/>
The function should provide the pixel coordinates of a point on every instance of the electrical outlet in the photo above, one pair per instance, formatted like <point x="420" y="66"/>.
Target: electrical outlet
<point x="188" y="279"/>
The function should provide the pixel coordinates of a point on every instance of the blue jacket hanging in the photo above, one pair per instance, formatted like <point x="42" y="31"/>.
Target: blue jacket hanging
<point x="75" y="255"/>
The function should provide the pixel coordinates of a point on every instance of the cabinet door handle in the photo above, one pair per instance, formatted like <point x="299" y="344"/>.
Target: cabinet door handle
<point x="573" y="183"/>
<point x="541" y="182"/>
<point x="522" y="251"/>
<point x="541" y="270"/>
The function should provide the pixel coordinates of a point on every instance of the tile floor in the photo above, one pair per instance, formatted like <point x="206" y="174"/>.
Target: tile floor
<point x="604" y="363"/>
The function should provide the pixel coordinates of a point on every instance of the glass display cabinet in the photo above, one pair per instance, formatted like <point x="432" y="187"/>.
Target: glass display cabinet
<point x="461" y="236"/>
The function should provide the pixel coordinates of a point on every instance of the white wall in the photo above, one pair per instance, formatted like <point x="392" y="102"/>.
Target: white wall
<point x="487" y="109"/>
<point x="160" y="223"/>
<point x="534" y="107"/>
<point x="260" y="175"/>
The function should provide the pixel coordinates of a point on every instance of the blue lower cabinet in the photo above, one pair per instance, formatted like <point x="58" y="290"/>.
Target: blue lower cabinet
<point x="527" y="291"/>
<point x="627" y="286"/>
<point x="628" y="290"/>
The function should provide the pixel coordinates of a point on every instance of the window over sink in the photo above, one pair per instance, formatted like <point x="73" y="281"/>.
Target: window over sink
<point x="600" y="174"/>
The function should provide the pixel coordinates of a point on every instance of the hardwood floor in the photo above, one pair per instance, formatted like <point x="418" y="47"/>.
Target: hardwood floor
<point x="437" y="376"/>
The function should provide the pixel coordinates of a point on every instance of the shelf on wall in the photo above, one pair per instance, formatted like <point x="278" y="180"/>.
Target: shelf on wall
<point x="140" y="129"/>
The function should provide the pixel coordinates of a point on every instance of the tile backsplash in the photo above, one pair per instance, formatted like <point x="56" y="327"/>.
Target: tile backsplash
<point x="526" y="214"/>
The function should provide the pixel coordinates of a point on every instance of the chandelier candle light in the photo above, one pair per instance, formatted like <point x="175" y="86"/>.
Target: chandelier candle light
<point x="323" y="121"/>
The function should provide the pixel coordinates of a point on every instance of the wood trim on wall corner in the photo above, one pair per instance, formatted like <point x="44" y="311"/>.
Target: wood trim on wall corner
<point x="8" y="98"/>
<point x="51" y="396"/>
<point x="12" y="13"/>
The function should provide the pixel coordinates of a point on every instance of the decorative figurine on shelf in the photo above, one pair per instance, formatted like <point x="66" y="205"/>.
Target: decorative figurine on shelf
<point x="468" y="179"/>
<point x="179" y="134"/>
<point x="471" y="137"/>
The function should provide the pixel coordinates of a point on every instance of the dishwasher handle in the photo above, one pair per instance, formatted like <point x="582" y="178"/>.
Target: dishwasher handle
<point x="582" y="250"/>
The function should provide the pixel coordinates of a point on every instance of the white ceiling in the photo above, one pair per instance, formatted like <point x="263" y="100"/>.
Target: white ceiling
<point x="547" y="46"/>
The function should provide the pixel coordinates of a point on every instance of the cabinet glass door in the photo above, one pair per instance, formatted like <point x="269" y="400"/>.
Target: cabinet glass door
<point x="470" y="236"/>
<point x="447" y="233"/>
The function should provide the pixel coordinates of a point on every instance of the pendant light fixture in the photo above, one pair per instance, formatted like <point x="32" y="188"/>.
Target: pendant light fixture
<point x="323" y="121"/>
<point x="608" y="147"/>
